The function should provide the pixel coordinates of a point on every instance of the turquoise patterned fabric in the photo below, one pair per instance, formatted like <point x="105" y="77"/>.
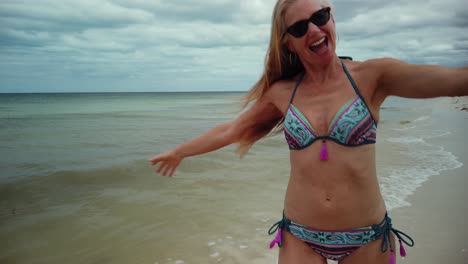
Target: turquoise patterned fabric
<point x="353" y="125"/>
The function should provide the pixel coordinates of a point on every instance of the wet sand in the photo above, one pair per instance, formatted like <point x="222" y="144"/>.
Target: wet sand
<point x="437" y="217"/>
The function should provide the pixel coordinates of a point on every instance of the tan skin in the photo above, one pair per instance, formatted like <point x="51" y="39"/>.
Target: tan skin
<point x="343" y="192"/>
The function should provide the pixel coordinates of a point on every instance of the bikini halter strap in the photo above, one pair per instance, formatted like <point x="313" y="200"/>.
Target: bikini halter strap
<point x="301" y="77"/>
<point x="351" y="80"/>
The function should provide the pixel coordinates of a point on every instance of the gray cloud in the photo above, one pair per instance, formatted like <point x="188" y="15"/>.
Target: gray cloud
<point x="125" y="45"/>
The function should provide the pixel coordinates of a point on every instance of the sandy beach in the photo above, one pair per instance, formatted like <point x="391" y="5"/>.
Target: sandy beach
<point x="437" y="217"/>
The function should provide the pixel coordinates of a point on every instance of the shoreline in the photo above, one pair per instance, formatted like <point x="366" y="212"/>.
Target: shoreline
<point x="436" y="219"/>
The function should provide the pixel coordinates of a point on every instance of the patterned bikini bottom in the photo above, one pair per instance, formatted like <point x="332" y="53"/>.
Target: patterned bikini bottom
<point x="336" y="245"/>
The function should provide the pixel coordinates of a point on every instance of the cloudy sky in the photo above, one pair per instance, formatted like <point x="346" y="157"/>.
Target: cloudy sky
<point x="199" y="45"/>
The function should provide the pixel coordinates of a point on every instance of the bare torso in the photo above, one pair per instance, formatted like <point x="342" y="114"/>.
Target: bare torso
<point x="342" y="192"/>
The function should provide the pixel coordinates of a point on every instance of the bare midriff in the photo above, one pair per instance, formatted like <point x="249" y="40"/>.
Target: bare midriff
<point x="337" y="194"/>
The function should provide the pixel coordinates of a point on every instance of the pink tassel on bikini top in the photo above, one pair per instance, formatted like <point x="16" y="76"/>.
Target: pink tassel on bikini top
<point x="324" y="151"/>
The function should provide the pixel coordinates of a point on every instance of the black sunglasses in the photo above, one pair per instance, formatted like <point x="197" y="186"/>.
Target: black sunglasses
<point x="318" y="18"/>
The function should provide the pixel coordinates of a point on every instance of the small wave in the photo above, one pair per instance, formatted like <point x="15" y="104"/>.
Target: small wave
<point x="390" y="108"/>
<point x="107" y="174"/>
<point x="30" y="165"/>
<point x="404" y="128"/>
<point x="29" y="168"/>
<point x="98" y="145"/>
<point x="408" y="140"/>
<point x="405" y="124"/>
<point x="422" y="160"/>
<point x="422" y="118"/>
<point x="400" y="182"/>
<point x="437" y="133"/>
<point x="405" y="140"/>
<point x="78" y="115"/>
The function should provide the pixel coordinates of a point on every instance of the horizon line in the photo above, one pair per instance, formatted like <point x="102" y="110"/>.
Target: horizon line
<point x="88" y="92"/>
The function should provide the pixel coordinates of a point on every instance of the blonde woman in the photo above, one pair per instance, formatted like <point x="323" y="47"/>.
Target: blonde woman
<point x="329" y="110"/>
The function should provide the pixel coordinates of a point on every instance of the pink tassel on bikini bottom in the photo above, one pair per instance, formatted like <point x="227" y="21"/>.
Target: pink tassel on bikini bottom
<point x="402" y="249"/>
<point x="392" y="257"/>
<point x="277" y="239"/>
<point x="324" y="151"/>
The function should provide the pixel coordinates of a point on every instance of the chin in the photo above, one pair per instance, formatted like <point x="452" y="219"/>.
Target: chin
<point x="325" y="59"/>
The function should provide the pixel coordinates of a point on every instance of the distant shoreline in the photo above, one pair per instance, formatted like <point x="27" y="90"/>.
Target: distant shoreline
<point x="162" y="92"/>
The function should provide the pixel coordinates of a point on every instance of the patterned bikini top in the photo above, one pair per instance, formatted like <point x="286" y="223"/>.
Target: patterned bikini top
<point x="353" y="125"/>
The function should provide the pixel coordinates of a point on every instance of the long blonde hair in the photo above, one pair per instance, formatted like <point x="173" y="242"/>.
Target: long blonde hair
<point x="280" y="64"/>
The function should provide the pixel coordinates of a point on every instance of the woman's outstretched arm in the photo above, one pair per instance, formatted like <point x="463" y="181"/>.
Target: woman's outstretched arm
<point x="261" y="112"/>
<point x="420" y="81"/>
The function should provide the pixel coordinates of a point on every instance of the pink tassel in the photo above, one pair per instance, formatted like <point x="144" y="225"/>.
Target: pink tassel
<point x="324" y="152"/>
<point x="277" y="239"/>
<point x="402" y="250"/>
<point x="392" y="258"/>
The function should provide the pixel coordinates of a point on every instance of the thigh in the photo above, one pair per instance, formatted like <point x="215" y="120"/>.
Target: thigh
<point x="370" y="253"/>
<point x="295" y="251"/>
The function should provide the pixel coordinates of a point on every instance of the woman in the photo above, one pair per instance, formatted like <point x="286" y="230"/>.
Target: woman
<point x="329" y="110"/>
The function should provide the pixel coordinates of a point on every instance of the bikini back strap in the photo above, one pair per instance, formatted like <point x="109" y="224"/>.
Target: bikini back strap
<point x="295" y="88"/>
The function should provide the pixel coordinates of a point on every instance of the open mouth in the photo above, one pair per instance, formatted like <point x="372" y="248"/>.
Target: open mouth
<point x="320" y="46"/>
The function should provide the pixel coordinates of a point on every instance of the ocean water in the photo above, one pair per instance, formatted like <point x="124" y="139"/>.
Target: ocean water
<point x="76" y="187"/>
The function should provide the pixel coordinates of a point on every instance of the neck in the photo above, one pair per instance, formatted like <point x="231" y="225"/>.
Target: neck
<point x="322" y="73"/>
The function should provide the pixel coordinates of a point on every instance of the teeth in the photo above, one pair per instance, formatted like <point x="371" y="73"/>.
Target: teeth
<point x="318" y="42"/>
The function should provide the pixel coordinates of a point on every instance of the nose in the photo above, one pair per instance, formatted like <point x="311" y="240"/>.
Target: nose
<point x="312" y="28"/>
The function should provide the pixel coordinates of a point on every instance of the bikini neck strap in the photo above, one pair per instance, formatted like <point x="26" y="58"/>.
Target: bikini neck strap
<point x="356" y="90"/>
<point x="299" y="80"/>
<point x="351" y="80"/>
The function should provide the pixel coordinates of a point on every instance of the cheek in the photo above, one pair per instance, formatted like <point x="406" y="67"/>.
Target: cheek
<point x="332" y="34"/>
<point x="292" y="45"/>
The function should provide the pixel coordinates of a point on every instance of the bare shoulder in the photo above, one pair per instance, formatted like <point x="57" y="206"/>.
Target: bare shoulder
<point x="280" y="92"/>
<point x="372" y="67"/>
<point x="377" y="68"/>
<point x="366" y="75"/>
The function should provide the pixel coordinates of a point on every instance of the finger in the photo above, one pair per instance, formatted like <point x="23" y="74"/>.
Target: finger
<point x="171" y="172"/>
<point x="155" y="160"/>
<point x="161" y="167"/>
<point x="174" y="168"/>
<point x="154" y="163"/>
<point x="167" y="169"/>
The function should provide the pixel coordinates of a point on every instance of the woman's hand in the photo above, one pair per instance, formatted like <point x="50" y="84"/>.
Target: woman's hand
<point x="262" y="113"/>
<point x="169" y="161"/>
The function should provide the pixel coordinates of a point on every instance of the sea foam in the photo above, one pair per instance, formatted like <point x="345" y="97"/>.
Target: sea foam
<point x="424" y="159"/>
